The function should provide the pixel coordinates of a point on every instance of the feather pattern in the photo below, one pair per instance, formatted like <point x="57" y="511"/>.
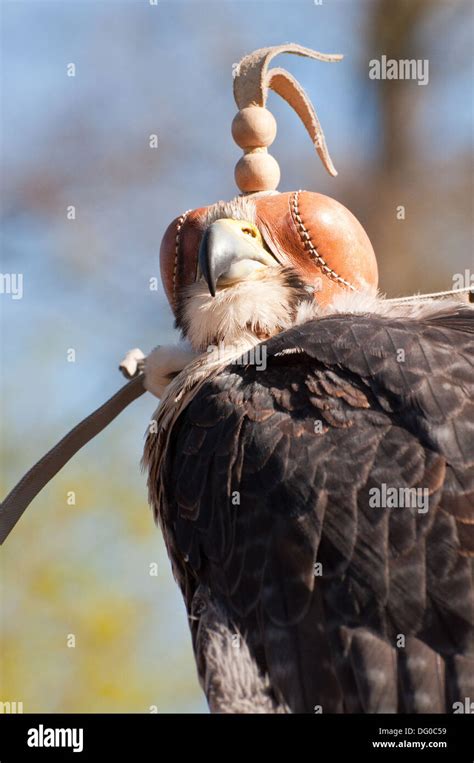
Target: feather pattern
<point x="264" y="484"/>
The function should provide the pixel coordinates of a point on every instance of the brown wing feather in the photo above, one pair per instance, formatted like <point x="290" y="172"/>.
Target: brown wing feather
<point x="269" y="473"/>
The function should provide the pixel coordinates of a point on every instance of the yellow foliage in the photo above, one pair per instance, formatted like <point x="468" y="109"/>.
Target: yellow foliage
<point x="84" y="627"/>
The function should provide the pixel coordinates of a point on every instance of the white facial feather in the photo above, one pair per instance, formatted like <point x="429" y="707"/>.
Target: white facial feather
<point x="260" y="306"/>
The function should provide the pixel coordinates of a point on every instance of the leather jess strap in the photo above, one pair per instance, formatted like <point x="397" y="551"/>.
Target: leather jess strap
<point x="47" y="467"/>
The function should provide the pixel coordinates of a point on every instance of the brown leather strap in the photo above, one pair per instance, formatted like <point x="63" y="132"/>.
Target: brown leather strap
<point x="47" y="467"/>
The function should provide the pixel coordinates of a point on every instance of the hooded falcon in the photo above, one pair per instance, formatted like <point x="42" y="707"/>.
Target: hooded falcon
<point x="311" y="465"/>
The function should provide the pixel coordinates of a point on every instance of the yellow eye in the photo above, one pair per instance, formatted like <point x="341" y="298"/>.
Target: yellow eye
<point x="250" y="232"/>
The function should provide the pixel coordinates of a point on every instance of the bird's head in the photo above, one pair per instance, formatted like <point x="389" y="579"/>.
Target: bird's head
<point x="242" y="270"/>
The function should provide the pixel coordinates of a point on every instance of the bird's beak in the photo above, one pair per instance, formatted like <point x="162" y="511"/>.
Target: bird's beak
<point x="231" y="251"/>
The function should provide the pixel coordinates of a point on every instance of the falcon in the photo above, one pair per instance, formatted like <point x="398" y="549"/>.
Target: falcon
<point x="317" y="505"/>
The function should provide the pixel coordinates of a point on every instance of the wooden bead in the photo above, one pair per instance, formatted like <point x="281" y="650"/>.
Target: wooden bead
<point x="257" y="171"/>
<point x="254" y="127"/>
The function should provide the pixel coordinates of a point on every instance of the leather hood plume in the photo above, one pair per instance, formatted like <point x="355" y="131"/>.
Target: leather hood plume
<point x="313" y="233"/>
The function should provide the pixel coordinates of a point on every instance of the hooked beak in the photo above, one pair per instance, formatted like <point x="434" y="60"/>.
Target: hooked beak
<point x="231" y="251"/>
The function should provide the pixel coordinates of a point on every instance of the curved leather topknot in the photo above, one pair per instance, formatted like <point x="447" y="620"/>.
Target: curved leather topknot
<point x="311" y="232"/>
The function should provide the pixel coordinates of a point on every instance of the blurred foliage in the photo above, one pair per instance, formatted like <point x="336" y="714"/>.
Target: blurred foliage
<point x="83" y="570"/>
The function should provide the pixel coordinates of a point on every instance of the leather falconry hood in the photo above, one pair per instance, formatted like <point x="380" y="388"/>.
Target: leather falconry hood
<point x="312" y="232"/>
